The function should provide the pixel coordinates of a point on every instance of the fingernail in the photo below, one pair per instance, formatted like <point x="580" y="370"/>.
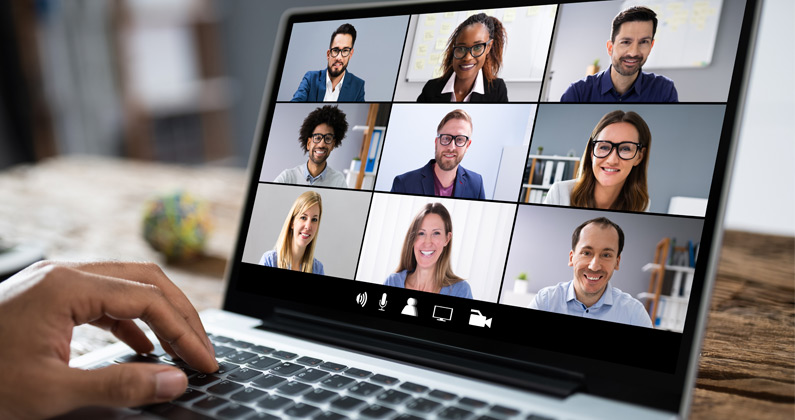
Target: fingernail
<point x="170" y="384"/>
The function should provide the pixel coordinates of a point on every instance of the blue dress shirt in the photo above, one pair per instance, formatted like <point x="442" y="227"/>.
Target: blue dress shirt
<point x="269" y="260"/>
<point x="648" y="87"/>
<point x="460" y="289"/>
<point x="613" y="306"/>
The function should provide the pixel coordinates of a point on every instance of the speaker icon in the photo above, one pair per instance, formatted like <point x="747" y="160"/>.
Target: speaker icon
<point x="361" y="299"/>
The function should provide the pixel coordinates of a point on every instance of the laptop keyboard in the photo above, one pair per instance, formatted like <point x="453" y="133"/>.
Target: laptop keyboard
<point x="258" y="382"/>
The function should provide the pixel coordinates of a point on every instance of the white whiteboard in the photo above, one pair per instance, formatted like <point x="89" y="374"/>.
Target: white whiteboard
<point x="529" y="32"/>
<point x="686" y="32"/>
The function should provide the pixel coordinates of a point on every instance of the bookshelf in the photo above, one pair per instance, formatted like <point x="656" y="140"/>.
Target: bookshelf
<point x="668" y="308"/>
<point x="543" y="171"/>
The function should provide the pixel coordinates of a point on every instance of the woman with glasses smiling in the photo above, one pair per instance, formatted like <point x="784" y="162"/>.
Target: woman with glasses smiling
<point x="612" y="173"/>
<point x="471" y="63"/>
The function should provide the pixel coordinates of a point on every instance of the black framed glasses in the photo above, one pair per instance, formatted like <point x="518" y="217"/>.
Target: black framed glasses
<point x="336" y="51"/>
<point x="476" y="50"/>
<point x="446" y="139"/>
<point x="326" y="138"/>
<point x="626" y="149"/>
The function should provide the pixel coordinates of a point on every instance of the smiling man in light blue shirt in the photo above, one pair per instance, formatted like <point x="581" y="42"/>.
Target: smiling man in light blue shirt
<point x="595" y="253"/>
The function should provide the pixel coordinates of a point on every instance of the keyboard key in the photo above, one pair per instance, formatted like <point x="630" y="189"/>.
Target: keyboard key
<point x="261" y="349"/>
<point x="241" y="344"/>
<point x="188" y="370"/>
<point x="423" y="405"/>
<point x="337" y="382"/>
<point x="358" y="373"/>
<point x="263" y="416"/>
<point x="472" y="403"/>
<point x="376" y="412"/>
<point x="225" y="367"/>
<point x="442" y="395"/>
<point x="393" y="397"/>
<point x="240" y="357"/>
<point x="221" y="339"/>
<point x="190" y="395"/>
<point x="329" y="415"/>
<point x="504" y="411"/>
<point x="287" y="369"/>
<point x="332" y="367"/>
<point x="383" y="379"/>
<point x="210" y="403"/>
<point x="235" y="411"/>
<point x="248" y="395"/>
<point x="224" y="387"/>
<point x="269" y="381"/>
<point x="408" y="417"/>
<point x="223" y="351"/>
<point x="203" y="379"/>
<point x="263" y="362"/>
<point x="347" y="403"/>
<point x="175" y="412"/>
<point x="320" y="396"/>
<point x="274" y="402"/>
<point x="309" y="361"/>
<point x="454" y="413"/>
<point x="243" y="375"/>
<point x="302" y="410"/>
<point x="365" y="389"/>
<point x="539" y="417"/>
<point x="311" y="375"/>
<point x="137" y="358"/>
<point x="292" y="389"/>
<point x="284" y="355"/>
<point x="412" y="387"/>
<point x="485" y="417"/>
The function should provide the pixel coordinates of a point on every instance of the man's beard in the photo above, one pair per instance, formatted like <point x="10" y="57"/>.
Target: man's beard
<point x="333" y="73"/>
<point x="447" y="165"/>
<point x="318" y="160"/>
<point x="620" y="70"/>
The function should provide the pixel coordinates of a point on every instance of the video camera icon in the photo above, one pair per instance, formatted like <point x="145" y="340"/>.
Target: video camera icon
<point x="477" y="319"/>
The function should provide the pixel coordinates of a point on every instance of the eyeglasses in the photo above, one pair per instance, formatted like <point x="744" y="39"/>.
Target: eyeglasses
<point x="626" y="149"/>
<point x="326" y="138"/>
<point x="476" y="50"/>
<point x="446" y="139"/>
<point x="336" y="51"/>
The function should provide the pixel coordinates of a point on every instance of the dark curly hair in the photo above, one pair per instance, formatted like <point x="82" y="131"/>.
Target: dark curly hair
<point x="498" y="36"/>
<point x="328" y="114"/>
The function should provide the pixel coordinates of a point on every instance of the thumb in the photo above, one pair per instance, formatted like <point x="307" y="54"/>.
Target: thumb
<point x="126" y="385"/>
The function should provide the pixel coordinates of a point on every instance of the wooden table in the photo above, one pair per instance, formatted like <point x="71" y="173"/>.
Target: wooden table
<point x="91" y="208"/>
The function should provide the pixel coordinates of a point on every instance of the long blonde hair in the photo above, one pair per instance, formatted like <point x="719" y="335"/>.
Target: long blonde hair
<point x="444" y="275"/>
<point x="284" y="245"/>
<point x="634" y="195"/>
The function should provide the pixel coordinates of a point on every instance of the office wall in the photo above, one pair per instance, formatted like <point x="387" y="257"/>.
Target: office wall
<point x="584" y="29"/>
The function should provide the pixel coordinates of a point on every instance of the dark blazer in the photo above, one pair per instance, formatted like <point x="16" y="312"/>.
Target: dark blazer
<point x="468" y="184"/>
<point x="313" y="88"/>
<point x="432" y="92"/>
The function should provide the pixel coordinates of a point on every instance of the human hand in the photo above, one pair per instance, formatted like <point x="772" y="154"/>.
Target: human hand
<point x="39" y="307"/>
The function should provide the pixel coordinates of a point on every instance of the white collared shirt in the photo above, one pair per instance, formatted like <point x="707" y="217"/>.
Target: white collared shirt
<point x="332" y="95"/>
<point x="477" y="87"/>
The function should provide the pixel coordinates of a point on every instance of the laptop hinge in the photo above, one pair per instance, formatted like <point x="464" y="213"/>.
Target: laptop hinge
<point x="505" y="371"/>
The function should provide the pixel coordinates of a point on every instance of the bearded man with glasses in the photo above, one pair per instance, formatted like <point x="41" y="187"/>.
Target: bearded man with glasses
<point x="444" y="176"/>
<point x="335" y="83"/>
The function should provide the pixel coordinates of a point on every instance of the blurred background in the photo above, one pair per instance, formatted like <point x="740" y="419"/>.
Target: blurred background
<point x="180" y="81"/>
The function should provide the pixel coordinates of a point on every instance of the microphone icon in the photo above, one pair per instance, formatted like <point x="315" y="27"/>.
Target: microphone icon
<point x="382" y="302"/>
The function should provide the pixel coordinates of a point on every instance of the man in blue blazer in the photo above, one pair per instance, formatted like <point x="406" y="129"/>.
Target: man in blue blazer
<point x="444" y="176"/>
<point x="335" y="83"/>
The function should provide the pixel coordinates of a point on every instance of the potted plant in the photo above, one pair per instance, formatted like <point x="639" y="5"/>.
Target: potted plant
<point x="520" y="284"/>
<point x="593" y="68"/>
<point x="356" y="163"/>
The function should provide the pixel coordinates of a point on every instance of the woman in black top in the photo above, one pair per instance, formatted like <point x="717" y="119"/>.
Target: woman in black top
<point x="471" y="63"/>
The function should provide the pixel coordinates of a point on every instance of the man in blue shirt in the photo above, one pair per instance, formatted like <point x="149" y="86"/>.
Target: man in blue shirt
<point x="596" y="247"/>
<point x="335" y="83"/>
<point x="631" y="41"/>
<point x="444" y="176"/>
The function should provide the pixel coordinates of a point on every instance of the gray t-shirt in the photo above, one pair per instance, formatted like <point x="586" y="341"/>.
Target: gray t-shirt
<point x="300" y="175"/>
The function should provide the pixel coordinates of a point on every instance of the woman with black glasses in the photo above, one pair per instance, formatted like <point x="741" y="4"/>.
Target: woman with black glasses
<point x="612" y="172"/>
<point x="471" y="63"/>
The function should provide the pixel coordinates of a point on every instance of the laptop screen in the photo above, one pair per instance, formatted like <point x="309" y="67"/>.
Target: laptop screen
<point x="538" y="182"/>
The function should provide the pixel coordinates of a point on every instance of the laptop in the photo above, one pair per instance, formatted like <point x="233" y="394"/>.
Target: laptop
<point x="447" y="260"/>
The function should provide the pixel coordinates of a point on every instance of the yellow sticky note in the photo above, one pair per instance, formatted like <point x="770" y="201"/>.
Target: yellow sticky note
<point x="441" y="43"/>
<point x="533" y="10"/>
<point x="422" y="49"/>
<point x="428" y="35"/>
<point x="445" y="29"/>
<point x="509" y="16"/>
<point x="471" y="13"/>
<point x="434" y="59"/>
<point x="449" y="15"/>
<point x="430" y="20"/>
<point x="489" y="12"/>
<point x="419" y="64"/>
